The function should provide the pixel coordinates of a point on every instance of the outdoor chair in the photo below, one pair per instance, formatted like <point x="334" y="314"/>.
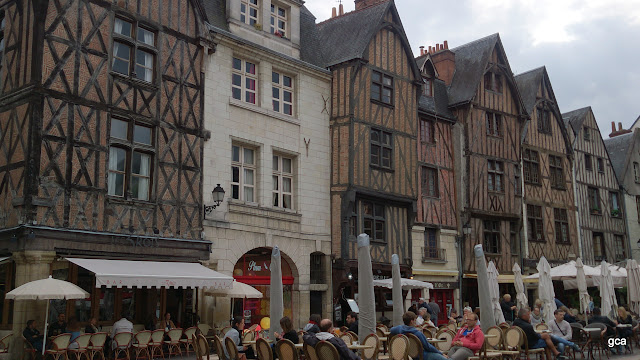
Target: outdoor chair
<point x="28" y="349"/>
<point x="4" y="343"/>
<point x="204" y="329"/>
<point x="541" y="327"/>
<point x="354" y="336"/>
<point x="326" y="351"/>
<point x="452" y="327"/>
<point x="446" y="335"/>
<point x="96" y="345"/>
<point x="346" y="337"/>
<point x="264" y="351"/>
<point x="309" y="352"/>
<point x="399" y="348"/>
<point x="202" y="352"/>
<point x="155" y="343"/>
<point x="285" y="350"/>
<point x="250" y="336"/>
<point x="300" y="337"/>
<point x="82" y="349"/>
<point x="483" y="354"/>
<point x="513" y="343"/>
<point x="494" y="343"/>
<point x="427" y="333"/>
<point x="173" y="344"/>
<point x="224" y="330"/>
<point x="232" y="350"/>
<point x="59" y="347"/>
<point x="219" y="348"/>
<point x="538" y="353"/>
<point x="141" y="345"/>
<point x="188" y="342"/>
<point x="415" y="347"/>
<point x="372" y="353"/>
<point x="596" y="338"/>
<point x="343" y="329"/>
<point x="122" y="341"/>
<point x="381" y="335"/>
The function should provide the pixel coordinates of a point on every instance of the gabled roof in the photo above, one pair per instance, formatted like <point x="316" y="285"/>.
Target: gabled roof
<point x="576" y="118"/>
<point x="528" y="83"/>
<point x="635" y="122"/>
<point x="619" y="149"/>
<point x="438" y="104"/>
<point x="471" y="61"/>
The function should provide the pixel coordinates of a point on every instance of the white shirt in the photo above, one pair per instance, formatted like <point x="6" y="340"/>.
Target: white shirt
<point x="419" y="320"/>
<point x="122" y="325"/>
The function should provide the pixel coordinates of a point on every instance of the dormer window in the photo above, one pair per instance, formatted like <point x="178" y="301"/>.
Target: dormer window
<point x="249" y="11"/>
<point x="493" y="81"/>
<point x="278" y="20"/>
<point x="427" y="87"/>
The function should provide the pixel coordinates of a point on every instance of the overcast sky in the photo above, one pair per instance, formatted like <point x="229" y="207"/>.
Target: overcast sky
<point x="591" y="48"/>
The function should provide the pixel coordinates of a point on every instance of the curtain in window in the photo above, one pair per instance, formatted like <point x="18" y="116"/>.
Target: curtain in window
<point x="142" y="179"/>
<point x="147" y="37"/>
<point x="113" y="165"/>
<point x="117" y="26"/>
<point x="144" y="70"/>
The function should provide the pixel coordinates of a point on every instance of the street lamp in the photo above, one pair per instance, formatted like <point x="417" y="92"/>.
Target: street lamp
<point x="218" y="195"/>
<point x="466" y="229"/>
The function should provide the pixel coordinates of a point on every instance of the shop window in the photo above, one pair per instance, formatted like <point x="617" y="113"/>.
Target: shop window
<point x="621" y="249"/>
<point x="243" y="170"/>
<point x="562" y="226"/>
<point x="374" y="220"/>
<point x="587" y="162"/>
<point x="534" y="220"/>
<point x="556" y="172"/>
<point x="130" y="159"/>
<point x="84" y="279"/>
<point x="282" y="93"/>
<point x="134" y="50"/>
<point x="427" y="131"/>
<point x="128" y="305"/>
<point x="381" y="87"/>
<point x="6" y="285"/>
<point x="353" y="222"/>
<point x="282" y="182"/>
<point x="494" y="124"/>
<point x="381" y="149"/>
<point x="492" y="236"/>
<point x="279" y="21"/>
<point x="594" y="200"/>
<point x="531" y="167"/>
<point x="614" y="200"/>
<point x="495" y="171"/>
<point x="60" y="271"/>
<point x="244" y="80"/>
<point x="249" y="10"/>
<point x="430" y="182"/>
<point x="544" y="121"/>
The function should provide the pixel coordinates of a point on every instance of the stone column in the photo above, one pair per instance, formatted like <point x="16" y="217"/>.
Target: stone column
<point x="30" y="266"/>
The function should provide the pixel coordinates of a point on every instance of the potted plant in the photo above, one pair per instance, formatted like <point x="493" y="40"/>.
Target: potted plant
<point x="615" y="212"/>
<point x="257" y="26"/>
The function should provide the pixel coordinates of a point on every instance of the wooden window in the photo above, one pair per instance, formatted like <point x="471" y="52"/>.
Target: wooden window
<point x="427" y="131"/>
<point x="381" y="149"/>
<point x="587" y="162"/>
<point x="131" y="150"/>
<point x="534" y="222"/>
<point x="373" y="220"/>
<point x="562" y="226"/>
<point x="492" y="236"/>
<point x="279" y="21"/>
<point x="638" y="206"/>
<point x="517" y="179"/>
<point x="495" y="173"/>
<point x="282" y="93"/>
<point x="353" y="222"/>
<point x="494" y="124"/>
<point x="244" y="81"/>
<point x="381" y="87"/>
<point x="134" y="50"/>
<point x="514" y="242"/>
<point x="594" y="201"/>
<point x="249" y="10"/>
<point x="493" y="81"/>
<point x="427" y="87"/>
<point x="243" y="173"/>
<point x="531" y="167"/>
<point x="614" y="201"/>
<point x="599" y="251"/>
<point x="621" y="249"/>
<point x="556" y="172"/>
<point x="430" y="186"/>
<point x="636" y="172"/>
<point x="544" y="120"/>
<point x="282" y="182"/>
<point x="430" y="244"/>
<point x="601" y="165"/>
<point x="586" y="134"/>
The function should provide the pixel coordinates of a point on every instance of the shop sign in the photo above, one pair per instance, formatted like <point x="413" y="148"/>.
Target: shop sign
<point x="445" y="285"/>
<point x="380" y="277"/>
<point x="136" y="241"/>
<point x="253" y="266"/>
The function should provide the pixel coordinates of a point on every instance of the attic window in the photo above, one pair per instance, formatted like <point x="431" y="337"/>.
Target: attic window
<point x="427" y="87"/>
<point x="381" y="87"/>
<point x="544" y="120"/>
<point x="587" y="134"/>
<point x="493" y="81"/>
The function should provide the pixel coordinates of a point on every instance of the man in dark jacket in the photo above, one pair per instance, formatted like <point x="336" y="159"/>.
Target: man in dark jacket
<point x="325" y="334"/>
<point x="508" y="307"/>
<point x="598" y="318"/>
<point x="535" y="340"/>
<point x="58" y="327"/>
<point x="352" y="321"/>
<point x="33" y="335"/>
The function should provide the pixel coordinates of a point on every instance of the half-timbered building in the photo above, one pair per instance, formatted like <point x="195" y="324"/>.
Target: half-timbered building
<point x="374" y="122"/>
<point x="102" y="133"/>
<point x="547" y="169"/>
<point x="485" y="100"/>
<point x="601" y="223"/>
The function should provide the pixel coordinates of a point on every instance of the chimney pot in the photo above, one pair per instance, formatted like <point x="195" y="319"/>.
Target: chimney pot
<point x="341" y="9"/>
<point x="613" y="126"/>
<point x="333" y="12"/>
<point x="446" y="45"/>
<point x="619" y="126"/>
<point x="437" y="47"/>
<point x="421" y="50"/>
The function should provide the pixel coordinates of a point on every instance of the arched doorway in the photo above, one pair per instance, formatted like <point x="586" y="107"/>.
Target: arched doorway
<point x="253" y="268"/>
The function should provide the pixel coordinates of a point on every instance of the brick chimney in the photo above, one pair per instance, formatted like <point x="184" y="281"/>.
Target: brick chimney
<point x="361" y="4"/>
<point x="618" y="132"/>
<point x="444" y="61"/>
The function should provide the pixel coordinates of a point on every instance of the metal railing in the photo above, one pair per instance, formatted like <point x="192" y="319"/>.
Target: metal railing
<point x="431" y="254"/>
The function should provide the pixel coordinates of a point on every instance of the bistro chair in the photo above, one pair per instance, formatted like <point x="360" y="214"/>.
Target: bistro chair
<point x="484" y="355"/>
<point x="4" y="343"/>
<point x="141" y="345"/>
<point x="204" y="329"/>
<point x="542" y="326"/>
<point x="415" y="347"/>
<point x="452" y="327"/>
<point x="427" y="333"/>
<point x="28" y="349"/>
<point x="285" y="350"/>
<point x="371" y="353"/>
<point x="346" y="337"/>
<point x="264" y="351"/>
<point x="83" y="345"/>
<point x="155" y="343"/>
<point x="188" y="342"/>
<point x="300" y="337"/>
<point x="354" y="336"/>
<point x="96" y="345"/>
<point x="232" y="350"/>
<point x="173" y="344"/>
<point x="203" y="347"/>
<point x="122" y="341"/>
<point x="381" y="335"/>
<point x="59" y="346"/>
<point x="596" y="339"/>
<point x="513" y="343"/>
<point x="538" y="353"/>
<point x="399" y="348"/>
<point x="326" y="351"/>
<point x="309" y="352"/>
<point x="495" y="342"/>
<point x="219" y="348"/>
<point x="446" y="335"/>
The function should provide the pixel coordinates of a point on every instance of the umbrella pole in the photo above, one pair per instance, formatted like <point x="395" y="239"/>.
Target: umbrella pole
<point x="46" y="318"/>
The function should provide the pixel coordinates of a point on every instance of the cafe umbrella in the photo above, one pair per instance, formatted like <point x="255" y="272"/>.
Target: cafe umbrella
<point x="276" y="301"/>
<point x="521" y="297"/>
<point x="366" y="299"/>
<point x="47" y="289"/>
<point x="396" y="292"/>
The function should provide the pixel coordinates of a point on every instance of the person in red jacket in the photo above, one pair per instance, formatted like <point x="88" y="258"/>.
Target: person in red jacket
<point x="468" y="340"/>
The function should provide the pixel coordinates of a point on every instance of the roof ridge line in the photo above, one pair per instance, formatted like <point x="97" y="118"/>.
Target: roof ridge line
<point x="475" y="41"/>
<point x="532" y="70"/>
<point x="351" y="12"/>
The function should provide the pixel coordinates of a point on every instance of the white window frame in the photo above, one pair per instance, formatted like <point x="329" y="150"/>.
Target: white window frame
<point x="248" y="5"/>
<point x="278" y="177"/>
<point x="244" y="76"/>
<point x="281" y="89"/>
<point x="275" y="19"/>
<point x="243" y="166"/>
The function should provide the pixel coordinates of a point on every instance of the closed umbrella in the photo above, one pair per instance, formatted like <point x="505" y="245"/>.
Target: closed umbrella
<point x="545" y="290"/>
<point x="366" y="300"/>
<point x="276" y="303"/>
<point x="396" y="292"/>
<point x="521" y="297"/>
<point x="609" y="303"/>
<point x="47" y="289"/>
<point x="484" y="296"/>
<point x="494" y="291"/>
<point x="633" y="285"/>
<point x="582" y="287"/>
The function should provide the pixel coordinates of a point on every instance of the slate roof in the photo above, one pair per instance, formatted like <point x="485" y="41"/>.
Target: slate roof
<point x="618" y="148"/>
<point x="216" y="13"/>
<point x="528" y="83"/>
<point x="576" y="118"/>
<point x="438" y="104"/>
<point x="310" y="46"/>
<point x="471" y="60"/>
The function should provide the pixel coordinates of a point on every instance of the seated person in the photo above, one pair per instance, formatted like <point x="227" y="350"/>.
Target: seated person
<point x="561" y="332"/>
<point x="467" y="341"/>
<point x="536" y="316"/>
<point x="33" y="335"/>
<point x="326" y="329"/>
<point x="409" y="327"/>
<point x="422" y="314"/>
<point x="122" y="325"/>
<point x="312" y="326"/>
<point x="466" y="312"/>
<point x="598" y="318"/>
<point x="568" y="316"/>
<point x="352" y="321"/>
<point x="533" y="339"/>
<point x="58" y="327"/>
<point x="237" y="326"/>
<point x="454" y="318"/>
<point x="74" y="328"/>
<point x="92" y="326"/>
<point x="287" y="331"/>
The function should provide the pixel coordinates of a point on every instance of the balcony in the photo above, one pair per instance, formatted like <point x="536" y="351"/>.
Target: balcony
<point x="430" y="254"/>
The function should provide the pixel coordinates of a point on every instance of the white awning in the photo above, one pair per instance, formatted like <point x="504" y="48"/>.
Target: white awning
<point x="127" y="273"/>
<point x="5" y="259"/>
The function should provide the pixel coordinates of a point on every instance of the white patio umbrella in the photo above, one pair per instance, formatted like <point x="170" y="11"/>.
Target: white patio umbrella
<point x="545" y="290"/>
<point x="494" y="292"/>
<point x="276" y="302"/>
<point x="47" y="289"/>
<point x="407" y="284"/>
<point x="521" y="297"/>
<point x="568" y="271"/>
<point x="633" y="285"/>
<point x="396" y="291"/>
<point x="238" y="290"/>
<point x="609" y="304"/>
<point x="484" y="297"/>
<point x="582" y="287"/>
<point x="366" y="299"/>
